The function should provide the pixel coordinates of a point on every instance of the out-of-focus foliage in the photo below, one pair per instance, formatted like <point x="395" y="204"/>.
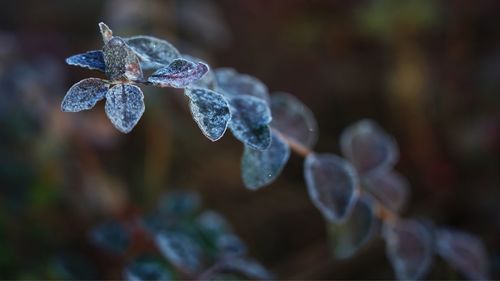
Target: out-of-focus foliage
<point x="432" y="85"/>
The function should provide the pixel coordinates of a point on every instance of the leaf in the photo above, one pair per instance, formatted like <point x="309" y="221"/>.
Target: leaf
<point x="106" y="32"/>
<point x="230" y="246"/>
<point x="122" y="64"/>
<point x="111" y="237"/>
<point x="332" y="185"/>
<point x="261" y="167"/>
<point x="409" y="248"/>
<point x="348" y="237"/>
<point x="249" y="267"/>
<point x="179" y="74"/>
<point x="208" y="80"/>
<point x="293" y="119"/>
<point x="91" y="60"/>
<point x="369" y="148"/>
<point x="464" y="251"/>
<point x="124" y="106"/>
<point x="181" y="250"/>
<point x="180" y="203"/>
<point x="250" y="117"/>
<point x="213" y="224"/>
<point x="84" y="95"/>
<point x="154" y="52"/>
<point x="210" y="111"/>
<point x="232" y="83"/>
<point x="146" y="268"/>
<point x="391" y="189"/>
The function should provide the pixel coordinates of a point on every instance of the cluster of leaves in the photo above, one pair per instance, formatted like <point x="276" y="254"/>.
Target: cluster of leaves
<point x="188" y="243"/>
<point x="350" y="192"/>
<point x="361" y="195"/>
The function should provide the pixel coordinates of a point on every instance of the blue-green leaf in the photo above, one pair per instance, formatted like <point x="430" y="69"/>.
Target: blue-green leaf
<point x="293" y="119"/>
<point x="111" y="236"/>
<point x="147" y="268"/>
<point x="153" y="52"/>
<point x="250" y="117"/>
<point x="122" y="64"/>
<point x="463" y="251"/>
<point x="261" y="167"/>
<point x="84" y="95"/>
<point x="232" y="83"/>
<point x="371" y="150"/>
<point x="91" y="60"/>
<point x="210" y="111"/>
<point x="332" y="184"/>
<point x="181" y="250"/>
<point x="124" y="106"/>
<point x="348" y="237"/>
<point x="409" y="248"/>
<point x="178" y="74"/>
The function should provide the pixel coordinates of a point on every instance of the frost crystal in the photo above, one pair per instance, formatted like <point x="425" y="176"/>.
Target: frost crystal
<point x="210" y="111"/>
<point x="261" y="167"/>
<point x="179" y="74"/>
<point x="332" y="183"/>
<point x="154" y="52"/>
<point x="93" y="60"/>
<point x="84" y="95"/>
<point x="124" y="106"/>
<point x="250" y="117"/>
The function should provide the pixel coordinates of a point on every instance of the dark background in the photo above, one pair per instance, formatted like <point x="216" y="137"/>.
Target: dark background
<point x="427" y="71"/>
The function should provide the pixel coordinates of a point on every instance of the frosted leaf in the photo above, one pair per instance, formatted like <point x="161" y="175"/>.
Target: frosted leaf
<point x="409" y="248"/>
<point x="84" y="95"/>
<point x="249" y="267"/>
<point x="179" y="74"/>
<point x="142" y="269"/>
<point x="369" y="148"/>
<point x="213" y="224"/>
<point x="210" y="110"/>
<point x="91" y="60"/>
<point x="250" y="117"/>
<point x="121" y="62"/>
<point x="231" y="246"/>
<point x="293" y="119"/>
<point x="465" y="252"/>
<point x="106" y="32"/>
<point x="181" y="250"/>
<point x="180" y="203"/>
<point x="348" y="237"/>
<point x="391" y="189"/>
<point x="208" y="80"/>
<point x="261" y="167"/>
<point x="232" y="83"/>
<point x="111" y="236"/>
<point x="332" y="185"/>
<point x="124" y="106"/>
<point x="154" y="52"/>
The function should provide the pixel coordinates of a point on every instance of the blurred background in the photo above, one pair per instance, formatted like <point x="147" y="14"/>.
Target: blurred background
<point x="427" y="71"/>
